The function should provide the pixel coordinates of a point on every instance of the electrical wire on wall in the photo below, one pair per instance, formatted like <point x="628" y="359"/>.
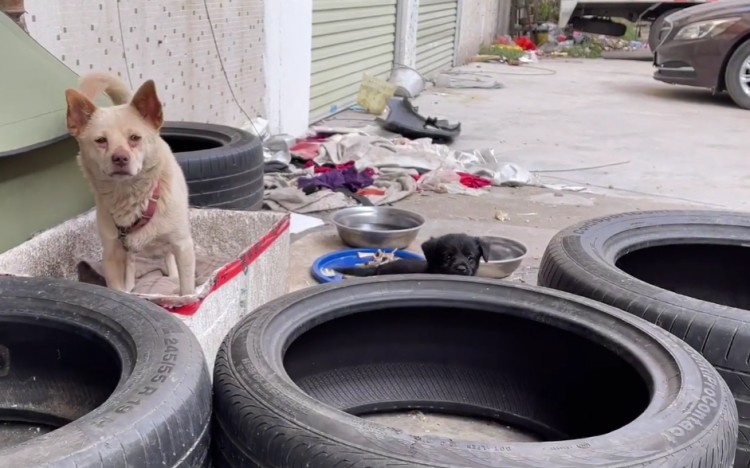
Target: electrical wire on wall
<point x="124" y="53"/>
<point x="224" y="70"/>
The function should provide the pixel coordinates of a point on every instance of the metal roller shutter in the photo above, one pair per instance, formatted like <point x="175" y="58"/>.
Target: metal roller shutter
<point x="436" y="35"/>
<point x="349" y="38"/>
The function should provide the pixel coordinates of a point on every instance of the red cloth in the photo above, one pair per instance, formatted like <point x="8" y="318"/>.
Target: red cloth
<point x="339" y="167"/>
<point x="525" y="43"/>
<point x="472" y="181"/>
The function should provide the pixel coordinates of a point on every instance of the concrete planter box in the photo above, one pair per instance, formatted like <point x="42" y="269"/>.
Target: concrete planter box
<point x="258" y="243"/>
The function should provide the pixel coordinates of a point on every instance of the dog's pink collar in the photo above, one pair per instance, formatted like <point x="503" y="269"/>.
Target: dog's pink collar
<point x="122" y="232"/>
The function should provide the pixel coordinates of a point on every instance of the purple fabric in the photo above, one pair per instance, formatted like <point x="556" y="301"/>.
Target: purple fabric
<point x="349" y="178"/>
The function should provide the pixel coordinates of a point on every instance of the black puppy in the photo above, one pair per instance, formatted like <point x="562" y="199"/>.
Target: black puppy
<point x="451" y="254"/>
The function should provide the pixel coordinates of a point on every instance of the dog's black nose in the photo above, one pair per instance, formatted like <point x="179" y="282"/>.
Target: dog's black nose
<point x="120" y="160"/>
<point x="462" y="268"/>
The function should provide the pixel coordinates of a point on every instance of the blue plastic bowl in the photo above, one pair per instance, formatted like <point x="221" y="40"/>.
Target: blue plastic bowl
<point x="347" y="259"/>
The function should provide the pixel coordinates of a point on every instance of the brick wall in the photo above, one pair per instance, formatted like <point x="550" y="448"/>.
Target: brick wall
<point x="170" y="41"/>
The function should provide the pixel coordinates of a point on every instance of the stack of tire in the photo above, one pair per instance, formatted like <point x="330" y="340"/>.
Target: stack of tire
<point x="111" y="380"/>
<point x="90" y="377"/>
<point x="223" y="165"/>
<point x="685" y="271"/>
<point x="295" y="381"/>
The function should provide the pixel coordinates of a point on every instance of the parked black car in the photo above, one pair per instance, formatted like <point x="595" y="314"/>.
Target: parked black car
<point x="707" y="46"/>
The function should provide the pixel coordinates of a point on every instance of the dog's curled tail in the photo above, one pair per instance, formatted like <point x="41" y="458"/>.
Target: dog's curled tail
<point x="93" y="84"/>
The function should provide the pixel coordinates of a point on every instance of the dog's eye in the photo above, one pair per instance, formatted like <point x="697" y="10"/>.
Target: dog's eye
<point x="135" y="138"/>
<point x="101" y="140"/>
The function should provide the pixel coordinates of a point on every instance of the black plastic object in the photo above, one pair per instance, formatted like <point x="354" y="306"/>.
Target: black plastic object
<point x="686" y="271"/>
<point x="403" y="118"/>
<point x="295" y="381"/>
<point x="95" y="378"/>
<point x="223" y="165"/>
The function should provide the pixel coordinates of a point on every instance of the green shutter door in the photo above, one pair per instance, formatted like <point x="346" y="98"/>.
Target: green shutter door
<point x="349" y="38"/>
<point x="436" y="35"/>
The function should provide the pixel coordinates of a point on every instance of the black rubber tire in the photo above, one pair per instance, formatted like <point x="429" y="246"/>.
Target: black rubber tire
<point x="223" y="165"/>
<point x="599" y="26"/>
<point x="583" y="259"/>
<point x="291" y="377"/>
<point x="731" y="75"/>
<point x="61" y="345"/>
<point x="656" y="25"/>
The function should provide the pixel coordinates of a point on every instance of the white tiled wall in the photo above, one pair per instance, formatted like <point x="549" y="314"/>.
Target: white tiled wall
<point x="170" y="41"/>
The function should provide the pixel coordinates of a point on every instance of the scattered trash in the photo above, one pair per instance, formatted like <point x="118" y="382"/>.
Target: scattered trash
<point x="525" y="43"/>
<point x="277" y="148"/>
<point x="445" y="180"/>
<point x="306" y="149"/>
<point x="568" y="188"/>
<point x="348" y="178"/>
<point x="529" y="57"/>
<point x="485" y="163"/>
<point x="472" y="181"/>
<point x="584" y="45"/>
<point x="486" y="58"/>
<point x="299" y="223"/>
<point x="402" y="118"/>
<point x="374" y="93"/>
<point x="502" y="216"/>
<point x="505" y="52"/>
<point x="408" y="81"/>
<point x="257" y="126"/>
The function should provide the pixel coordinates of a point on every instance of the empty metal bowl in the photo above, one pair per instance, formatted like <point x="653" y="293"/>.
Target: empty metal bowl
<point x="504" y="258"/>
<point x="377" y="226"/>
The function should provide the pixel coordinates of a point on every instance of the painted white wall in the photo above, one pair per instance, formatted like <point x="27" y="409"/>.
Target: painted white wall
<point x="477" y="25"/>
<point x="287" y="59"/>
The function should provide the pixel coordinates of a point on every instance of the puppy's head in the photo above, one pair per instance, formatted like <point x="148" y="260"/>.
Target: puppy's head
<point x="455" y="254"/>
<point x="116" y="141"/>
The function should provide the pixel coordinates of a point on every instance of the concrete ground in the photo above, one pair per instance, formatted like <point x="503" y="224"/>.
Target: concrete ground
<point x="665" y="147"/>
<point x="669" y="147"/>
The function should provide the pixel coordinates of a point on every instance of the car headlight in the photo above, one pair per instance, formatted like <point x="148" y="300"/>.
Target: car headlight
<point x="704" y="29"/>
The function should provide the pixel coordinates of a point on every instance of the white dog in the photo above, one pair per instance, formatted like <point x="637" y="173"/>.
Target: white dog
<point x="140" y="191"/>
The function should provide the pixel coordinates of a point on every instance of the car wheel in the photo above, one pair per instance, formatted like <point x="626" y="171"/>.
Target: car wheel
<point x="598" y="26"/>
<point x="296" y="381"/>
<point x="656" y="25"/>
<point x="685" y="271"/>
<point x="90" y="377"/>
<point x="223" y="166"/>
<point x="737" y="76"/>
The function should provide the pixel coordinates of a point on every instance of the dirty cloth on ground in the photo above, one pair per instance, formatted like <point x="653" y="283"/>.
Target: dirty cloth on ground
<point x="151" y="273"/>
<point x="375" y="151"/>
<point x="282" y="192"/>
<point x="472" y="181"/>
<point x="348" y="178"/>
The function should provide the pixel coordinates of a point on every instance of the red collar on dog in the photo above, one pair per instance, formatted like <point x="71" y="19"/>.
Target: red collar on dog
<point x="145" y="218"/>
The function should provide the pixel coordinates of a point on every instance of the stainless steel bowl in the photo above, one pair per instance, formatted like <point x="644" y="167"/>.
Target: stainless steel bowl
<point x="377" y="226"/>
<point x="504" y="258"/>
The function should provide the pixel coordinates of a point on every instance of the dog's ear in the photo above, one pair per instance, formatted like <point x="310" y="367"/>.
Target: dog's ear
<point x="430" y="250"/>
<point x="148" y="105"/>
<point x="484" y="248"/>
<point x="80" y="110"/>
